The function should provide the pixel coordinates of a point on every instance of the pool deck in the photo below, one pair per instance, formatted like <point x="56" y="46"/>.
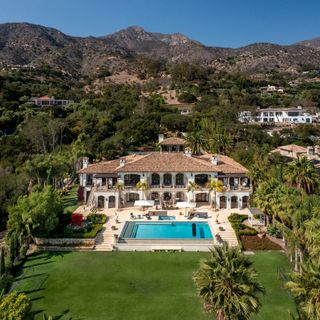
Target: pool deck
<point x="107" y="239"/>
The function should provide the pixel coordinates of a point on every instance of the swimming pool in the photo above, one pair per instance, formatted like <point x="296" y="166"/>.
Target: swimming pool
<point x="166" y="218"/>
<point x="166" y="230"/>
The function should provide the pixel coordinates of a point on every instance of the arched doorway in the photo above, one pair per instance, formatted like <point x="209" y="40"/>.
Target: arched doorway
<point x="223" y="202"/>
<point x="100" y="202"/>
<point x="180" y="196"/>
<point x="202" y="197"/>
<point x="245" y="202"/>
<point x="155" y="196"/>
<point x="234" y="202"/>
<point x="112" y="202"/>
<point x="132" y="197"/>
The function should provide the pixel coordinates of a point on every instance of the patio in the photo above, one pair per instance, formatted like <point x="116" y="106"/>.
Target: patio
<point x="217" y="220"/>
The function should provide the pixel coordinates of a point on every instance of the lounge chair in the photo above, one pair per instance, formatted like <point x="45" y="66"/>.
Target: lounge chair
<point x="132" y="216"/>
<point x="139" y="216"/>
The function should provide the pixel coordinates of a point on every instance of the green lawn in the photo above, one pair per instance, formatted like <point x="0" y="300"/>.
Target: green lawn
<point x="133" y="285"/>
<point x="70" y="200"/>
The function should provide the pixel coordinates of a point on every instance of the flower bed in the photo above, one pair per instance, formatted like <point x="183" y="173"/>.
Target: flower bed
<point x="240" y="228"/>
<point x="257" y="243"/>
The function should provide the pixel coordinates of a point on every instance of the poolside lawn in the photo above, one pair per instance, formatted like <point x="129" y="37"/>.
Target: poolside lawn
<point x="70" y="200"/>
<point x="134" y="285"/>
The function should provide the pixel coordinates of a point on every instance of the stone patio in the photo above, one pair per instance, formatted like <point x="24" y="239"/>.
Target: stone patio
<point x="106" y="239"/>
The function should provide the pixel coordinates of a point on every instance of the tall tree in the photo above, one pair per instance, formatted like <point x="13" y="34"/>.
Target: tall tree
<point x="302" y="174"/>
<point x="228" y="284"/>
<point x="305" y="288"/>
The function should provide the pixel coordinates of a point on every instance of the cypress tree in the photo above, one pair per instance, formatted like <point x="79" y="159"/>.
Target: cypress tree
<point x="2" y="261"/>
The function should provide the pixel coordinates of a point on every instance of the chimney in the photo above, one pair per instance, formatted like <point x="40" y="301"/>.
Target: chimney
<point x="188" y="152"/>
<point x="317" y="150"/>
<point x="310" y="152"/>
<point x="122" y="162"/>
<point x="161" y="137"/>
<point x="85" y="162"/>
<point x="214" y="160"/>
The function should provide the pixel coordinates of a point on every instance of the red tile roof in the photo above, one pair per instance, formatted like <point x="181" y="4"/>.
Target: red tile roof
<point x="167" y="162"/>
<point x="173" y="141"/>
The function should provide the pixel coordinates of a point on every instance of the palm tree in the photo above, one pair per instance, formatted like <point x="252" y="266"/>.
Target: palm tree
<point x="302" y="174"/>
<point x="256" y="175"/>
<point x="214" y="186"/>
<point x="265" y="199"/>
<point x="228" y="285"/>
<point x="192" y="187"/>
<point x="143" y="186"/>
<point x="119" y="188"/>
<point x="196" y="142"/>
<point x="305" y="288"/>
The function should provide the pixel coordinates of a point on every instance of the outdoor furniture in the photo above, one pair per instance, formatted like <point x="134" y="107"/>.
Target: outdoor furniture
<point x="132" y="216"/>
<point x="139" y="216"/>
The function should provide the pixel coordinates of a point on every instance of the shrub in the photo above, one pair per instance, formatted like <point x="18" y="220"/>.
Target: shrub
<point x="187" y="97"/>
<point x="235" y="217"/>
<point x="274" y="231"/>
<point x="14" y="306"/>
<point x="5" y="282"/>
<point x="96" y="218"/>
<point x="85" y="226"/>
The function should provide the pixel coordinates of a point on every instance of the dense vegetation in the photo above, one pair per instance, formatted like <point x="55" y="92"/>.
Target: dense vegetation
<point x="40" y="146"/>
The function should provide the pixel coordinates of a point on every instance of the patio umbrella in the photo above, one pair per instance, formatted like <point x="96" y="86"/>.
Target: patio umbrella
<point x="144" y="203"/>
<point x="185" y="204"/>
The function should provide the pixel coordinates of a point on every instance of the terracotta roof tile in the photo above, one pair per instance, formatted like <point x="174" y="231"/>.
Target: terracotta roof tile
<point x="291" y="148"/>
<point x="173" y="141"/>
<point x="167" y="162"/>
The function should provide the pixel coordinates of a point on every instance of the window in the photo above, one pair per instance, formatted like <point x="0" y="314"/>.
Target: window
<point x="180" y="179"/>
<point x="131" y="179"/>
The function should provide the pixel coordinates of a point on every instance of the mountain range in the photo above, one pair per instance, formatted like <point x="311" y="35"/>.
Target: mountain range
<point x="35" y="45"/>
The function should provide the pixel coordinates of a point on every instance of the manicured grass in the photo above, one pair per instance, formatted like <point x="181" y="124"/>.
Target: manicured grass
<point x="70" y="200"/>
<point x="134" y="285"/>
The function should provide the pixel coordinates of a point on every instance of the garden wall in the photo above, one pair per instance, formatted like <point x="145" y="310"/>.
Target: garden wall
<point x="64" y="244"/>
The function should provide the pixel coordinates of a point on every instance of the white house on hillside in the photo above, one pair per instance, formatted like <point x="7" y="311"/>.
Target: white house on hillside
<point x="276" y="115"/>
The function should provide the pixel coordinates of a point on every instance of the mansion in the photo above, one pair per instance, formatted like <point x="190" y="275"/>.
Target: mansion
<point x="167" y="175"/>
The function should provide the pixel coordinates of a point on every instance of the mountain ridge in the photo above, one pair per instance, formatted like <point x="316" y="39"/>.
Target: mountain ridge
<point x="35" y="45"/>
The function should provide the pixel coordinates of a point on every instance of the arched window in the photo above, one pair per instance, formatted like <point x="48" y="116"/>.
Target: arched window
<point x="155" y="179"/>
<point x="167" y="179"/>
<point x="180" y="179"/>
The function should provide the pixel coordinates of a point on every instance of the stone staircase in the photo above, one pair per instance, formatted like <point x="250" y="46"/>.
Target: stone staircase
<point x="104" y="240"/>
<point x="230" y="237"/>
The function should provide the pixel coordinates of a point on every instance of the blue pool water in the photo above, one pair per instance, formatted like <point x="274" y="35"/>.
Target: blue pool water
<point x="166" y="230"/>
<point x="167" y="218"/>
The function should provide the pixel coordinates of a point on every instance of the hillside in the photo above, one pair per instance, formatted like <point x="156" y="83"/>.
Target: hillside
<point x="34" y="45"/>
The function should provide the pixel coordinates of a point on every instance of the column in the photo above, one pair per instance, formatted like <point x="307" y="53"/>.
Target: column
<point x="117" y="200"/>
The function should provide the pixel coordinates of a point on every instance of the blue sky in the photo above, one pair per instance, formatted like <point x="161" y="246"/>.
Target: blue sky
<point x="228" y="23"/>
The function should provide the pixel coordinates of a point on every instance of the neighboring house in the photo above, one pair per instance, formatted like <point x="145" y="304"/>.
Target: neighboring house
<point x="271" y="88"/>
<point x="167" y="174"/>
<point x="293" y="151"/>
<point x="50" y="101"/>
<point x="277" y="115"/>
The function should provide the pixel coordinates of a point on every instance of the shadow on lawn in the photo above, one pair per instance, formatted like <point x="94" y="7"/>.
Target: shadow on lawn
<point x="64" y="313"/>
